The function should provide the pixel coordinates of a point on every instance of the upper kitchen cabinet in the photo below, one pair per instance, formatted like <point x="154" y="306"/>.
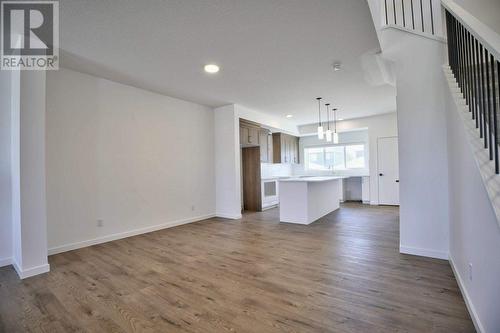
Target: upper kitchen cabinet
<point x="249" y="133"/>
<point x="285" y="148"/>
<point x="266" y="146"/>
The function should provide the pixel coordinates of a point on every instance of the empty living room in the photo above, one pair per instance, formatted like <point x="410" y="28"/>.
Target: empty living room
<point x="250" y="166"/>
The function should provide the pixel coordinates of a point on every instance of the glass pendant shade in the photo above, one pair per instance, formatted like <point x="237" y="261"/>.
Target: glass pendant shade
<point x="335" y="137"/>
<point x="321" y="133"/>
<point x="328" y="135"/>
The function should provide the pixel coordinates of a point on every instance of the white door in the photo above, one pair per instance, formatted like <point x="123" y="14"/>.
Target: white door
<point x="388" y="171"/>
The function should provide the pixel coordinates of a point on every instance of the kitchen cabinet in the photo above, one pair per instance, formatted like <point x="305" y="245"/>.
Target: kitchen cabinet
<point x="266" y="145"/>
<point x="253" y="136"/>
<point x="249" y="134"/>
<point x="285" y="148"/>
<point x="252" y="200"/>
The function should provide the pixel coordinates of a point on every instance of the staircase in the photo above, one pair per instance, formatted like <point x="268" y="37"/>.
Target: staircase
<point x="447" y="74"/>
<point x="475" y="65"/>
<point x="414" y="15"/>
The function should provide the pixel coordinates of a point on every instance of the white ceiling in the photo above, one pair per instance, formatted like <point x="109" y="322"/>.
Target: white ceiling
<point x="275" y="55"/>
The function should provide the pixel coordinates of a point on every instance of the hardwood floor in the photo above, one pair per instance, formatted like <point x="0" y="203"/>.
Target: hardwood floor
<point x="340" y="274"/>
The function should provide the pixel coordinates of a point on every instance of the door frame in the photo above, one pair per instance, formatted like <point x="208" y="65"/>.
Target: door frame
<point x="378" y="166"/>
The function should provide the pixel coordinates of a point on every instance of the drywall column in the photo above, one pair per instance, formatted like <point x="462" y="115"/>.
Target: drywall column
<point x="423" y="161"/>
<point x="227" y="163"/>
<point x="28" y="173"/>
<point x="5" y="172"/>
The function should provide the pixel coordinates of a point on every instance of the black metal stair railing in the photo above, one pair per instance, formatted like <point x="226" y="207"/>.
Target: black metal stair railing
<point x="410" y="14"/>
<point x="478" y="76"/>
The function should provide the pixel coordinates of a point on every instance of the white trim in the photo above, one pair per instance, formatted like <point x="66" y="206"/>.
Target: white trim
<point x="29" y="272"/>
<point x="415" y="32"/>
<point x="120" y="235"/>
<point x="484" y="34"/>
<point x="423" y="252"/>
<point x="472" y="310"/>
<point x="229" y="216"/>
<point x="5" y="262"/>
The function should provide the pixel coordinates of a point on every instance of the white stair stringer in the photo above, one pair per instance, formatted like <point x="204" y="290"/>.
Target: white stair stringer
<point x="486" y="167"/>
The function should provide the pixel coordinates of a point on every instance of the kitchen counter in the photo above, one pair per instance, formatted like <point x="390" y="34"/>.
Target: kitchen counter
<point x="304" y="200"/>
<point x="312" y="179"/>
<point x="275" y="178"/>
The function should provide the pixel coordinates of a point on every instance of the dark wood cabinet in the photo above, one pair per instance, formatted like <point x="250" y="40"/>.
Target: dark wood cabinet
<point x="252" y="196"/>
<point x="266" y="146"/>
<point x="285" y="148"/>
<point x="253" y="136"/>
<point x="249" y="134"/>
<point x="274" y="148"/>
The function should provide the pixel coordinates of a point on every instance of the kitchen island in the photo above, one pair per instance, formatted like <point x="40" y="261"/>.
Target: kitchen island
<point x="303" y="200"/>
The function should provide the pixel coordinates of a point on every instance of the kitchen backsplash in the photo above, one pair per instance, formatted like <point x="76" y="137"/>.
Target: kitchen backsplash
<point x="270" y="170"/>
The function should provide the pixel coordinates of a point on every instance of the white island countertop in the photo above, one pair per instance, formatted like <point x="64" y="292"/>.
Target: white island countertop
<point x="311" y="178"/>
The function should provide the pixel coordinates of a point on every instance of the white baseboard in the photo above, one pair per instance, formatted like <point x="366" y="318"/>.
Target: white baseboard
<point x="472" y="310"/>
<point x="120" y="235"/>
<point x="5" y="262"/>
<point x="229" y="216"/>
<point x="423" y="252"/>
<point x="32" y="271"/>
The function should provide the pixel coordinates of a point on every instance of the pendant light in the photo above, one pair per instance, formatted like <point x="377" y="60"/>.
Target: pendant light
<point x="335" y="134"/>
<point x="328" y="132"/>
<point x="321" y="134"/>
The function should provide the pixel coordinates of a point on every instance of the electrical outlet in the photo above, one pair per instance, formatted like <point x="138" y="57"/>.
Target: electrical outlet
<point x="470" y="271"/>
<point x="100" y="223"/>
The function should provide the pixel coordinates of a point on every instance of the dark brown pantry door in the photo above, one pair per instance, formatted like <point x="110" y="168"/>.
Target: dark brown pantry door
<point x="252" y="200"/>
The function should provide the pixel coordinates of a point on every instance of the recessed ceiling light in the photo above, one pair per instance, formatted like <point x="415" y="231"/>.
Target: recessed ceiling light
<point x="211" y="68"/>
<point x="289" y="115"/>
<point x="340" y="119"/>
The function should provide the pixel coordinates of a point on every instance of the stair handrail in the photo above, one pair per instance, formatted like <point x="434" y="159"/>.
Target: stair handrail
<point x="484" y="34"/>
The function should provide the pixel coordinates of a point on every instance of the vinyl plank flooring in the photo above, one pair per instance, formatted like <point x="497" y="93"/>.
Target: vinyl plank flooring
<point x="343" y="273"/>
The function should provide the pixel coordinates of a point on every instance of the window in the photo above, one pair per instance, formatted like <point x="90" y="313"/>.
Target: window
<point x="337" y="157"/>
<point x="334" y="158"/>
<point x="355" y="156"/>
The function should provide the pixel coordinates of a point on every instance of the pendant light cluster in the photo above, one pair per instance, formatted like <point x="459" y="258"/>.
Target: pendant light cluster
<point x="329" y="135"/>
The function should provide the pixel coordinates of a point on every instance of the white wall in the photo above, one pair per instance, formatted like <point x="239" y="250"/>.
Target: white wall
<point x="227" y="162"/>
<point x="423" y="165"/>
<point x="486" y="11"/>
<point x="5" y="172"/>
<point x="384" y="125"/>
<point x="136" y="160"/>
<point x="474" y="231"/>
